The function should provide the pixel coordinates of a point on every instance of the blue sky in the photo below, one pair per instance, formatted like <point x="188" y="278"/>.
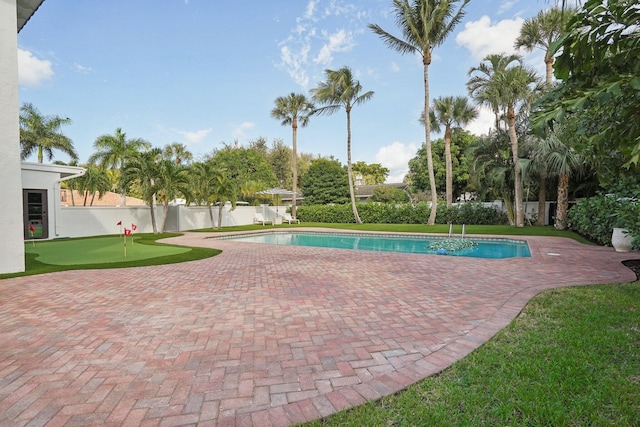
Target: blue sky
<point x="207" y="72"/>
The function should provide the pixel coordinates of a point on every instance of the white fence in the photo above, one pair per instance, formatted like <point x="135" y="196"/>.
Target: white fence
<point x="80" y="221"/>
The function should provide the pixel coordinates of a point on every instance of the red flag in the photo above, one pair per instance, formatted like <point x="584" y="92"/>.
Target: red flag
<point x="32" y="228"/>
<point x="134" y="227"/>
<point x="119" y="223"/>
<point x="127" y="232"/>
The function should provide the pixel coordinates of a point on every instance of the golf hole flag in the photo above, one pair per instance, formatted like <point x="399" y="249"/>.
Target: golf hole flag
<point x="134" y="227"/>
<point x="127" y="232"/>
<point x="32" y="229"/>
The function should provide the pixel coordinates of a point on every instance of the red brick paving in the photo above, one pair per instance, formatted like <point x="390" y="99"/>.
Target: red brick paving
<point x="259" y="335"/>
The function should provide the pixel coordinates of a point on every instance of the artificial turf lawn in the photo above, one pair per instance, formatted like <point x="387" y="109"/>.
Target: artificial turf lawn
<point x="159" y="257"/>
<point x="105" y="249"/>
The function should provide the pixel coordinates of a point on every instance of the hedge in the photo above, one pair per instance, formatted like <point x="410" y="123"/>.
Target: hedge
<point x="405" y="213"/>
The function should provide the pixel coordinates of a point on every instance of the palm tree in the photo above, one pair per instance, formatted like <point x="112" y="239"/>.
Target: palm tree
<point x="341" y="90"/>
<point x="509" y="89"/>
<point x="541" y="32"/>
<point x="42" y="134"/>
<point x="293" y="109"/>
<point x="206" y="178"/>
<point x="172" y="181"/>
<point x="178" y="152"/>
<point x="115" y="151"/>
<point x="94" y="180"/>
<point x="425" y="24"/>
<point x="480" y="77"/>
<point x="449" y="112"/>
<point x="563" y="162"/>
<point x="492" y="168"/>
<point x="143" y="167"/>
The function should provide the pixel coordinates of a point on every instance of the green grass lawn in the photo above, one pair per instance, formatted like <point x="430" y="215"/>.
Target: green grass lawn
<point x="572" y="358"/>
<point x="48" y="256"/>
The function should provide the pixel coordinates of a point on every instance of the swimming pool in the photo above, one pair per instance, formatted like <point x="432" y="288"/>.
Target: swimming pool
<point x="484" y="248"/>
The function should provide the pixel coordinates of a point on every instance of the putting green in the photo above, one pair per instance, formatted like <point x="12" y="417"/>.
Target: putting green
<point x="98" y="250"/>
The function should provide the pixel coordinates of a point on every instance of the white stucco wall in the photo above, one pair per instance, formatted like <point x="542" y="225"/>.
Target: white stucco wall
<point x="12" y="248"/>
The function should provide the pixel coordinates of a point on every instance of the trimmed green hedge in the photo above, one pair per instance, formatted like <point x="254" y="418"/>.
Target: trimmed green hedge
<point x="405" y="213"/>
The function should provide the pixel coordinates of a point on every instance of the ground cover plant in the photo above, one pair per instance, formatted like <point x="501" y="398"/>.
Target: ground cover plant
<point x="570" y="358"/>
<point x="105" y="252"/>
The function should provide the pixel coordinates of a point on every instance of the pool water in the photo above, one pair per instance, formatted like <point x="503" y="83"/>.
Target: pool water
<point x="485" y="248"/>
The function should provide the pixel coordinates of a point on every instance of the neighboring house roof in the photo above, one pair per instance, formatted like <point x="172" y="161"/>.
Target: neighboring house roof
<point x="108" y="199"/>
<point x="26" y="9"/>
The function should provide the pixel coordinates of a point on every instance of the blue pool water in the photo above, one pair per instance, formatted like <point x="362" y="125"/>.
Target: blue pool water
<point x="485" y="248"/>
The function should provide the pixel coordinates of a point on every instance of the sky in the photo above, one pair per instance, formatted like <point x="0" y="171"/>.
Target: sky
<point x="207" y="72"/>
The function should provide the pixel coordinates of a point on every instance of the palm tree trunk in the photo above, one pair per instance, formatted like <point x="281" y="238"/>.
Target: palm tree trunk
<point x="350" y="171"/>
<point x="165" y="211"/>
<point x="449" y="167"/>
<point x="294" y="166"/>
<point x="153" y="215"/>
<point x="427" y="143"/>
<point x="220" y="215"/>
<point x="511" y="116"/>
<point x="542" y="199"/>
<point x="563" y="202"/>
<point x="40" y="154"/>
<point x="548" y="62"/>
<point x="93" y="196"/>
<point x="213" y="225"/>
<point x="73" y="201"/>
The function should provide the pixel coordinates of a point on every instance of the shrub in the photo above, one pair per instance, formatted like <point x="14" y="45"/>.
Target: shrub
<point x="596" y="217"/>
<point x="403" y="213"/>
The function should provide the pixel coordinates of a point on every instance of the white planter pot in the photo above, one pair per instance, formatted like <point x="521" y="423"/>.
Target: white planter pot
<point x="620" y="240"/>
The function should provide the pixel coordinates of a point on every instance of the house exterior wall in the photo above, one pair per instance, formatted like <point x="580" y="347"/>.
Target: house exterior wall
<point x="12" y="249"/>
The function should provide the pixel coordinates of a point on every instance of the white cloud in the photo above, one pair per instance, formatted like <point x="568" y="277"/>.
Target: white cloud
<point x="506" y="6"/>
<point x="482" y="38"/>
<point x="340" y="41"/>
<point x="395" y="67"/>
<point x="82" y="69"/>
<point x="196" y="136"/>
<point x="395" y="157"/>
<point x="483" y="123"/>
<point x="239" y="131"/>
<point x="32" y="71"/>
<point x="318" y="34"/>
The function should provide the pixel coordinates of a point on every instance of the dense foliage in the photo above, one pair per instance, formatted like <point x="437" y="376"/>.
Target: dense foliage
<point x="595" y="217"/>
<point x="326" y="181"/>
<point x="406" y="213"/>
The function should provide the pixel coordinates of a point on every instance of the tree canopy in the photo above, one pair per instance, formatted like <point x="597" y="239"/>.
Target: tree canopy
<point x="325" y="182"/>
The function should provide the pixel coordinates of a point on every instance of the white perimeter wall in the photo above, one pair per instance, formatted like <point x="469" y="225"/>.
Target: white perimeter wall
<point x="12" y="248"/>
<point x="80" y="221"/>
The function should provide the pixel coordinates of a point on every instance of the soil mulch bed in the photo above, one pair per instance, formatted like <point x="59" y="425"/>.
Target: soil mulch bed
<point x="633" y="264"/>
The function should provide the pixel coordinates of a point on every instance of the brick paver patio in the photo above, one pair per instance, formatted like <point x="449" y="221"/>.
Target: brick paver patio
<point x="260" y="335"/>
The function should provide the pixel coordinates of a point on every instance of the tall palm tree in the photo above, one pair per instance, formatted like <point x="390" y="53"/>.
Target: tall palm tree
<point x="425" y="24"/>
<point x="143" y="167"/>
<point x="172" y="181"/>
<point x="293" y="109"/>
<point x="341" y="90"/>
<point x="449" y="112"/>
<point x="541" y="31"/>
<point x="480" y="77"/>
<point x="43" y="134"/>
<point x="113" y="151"/>
<point x="178" y="152"/>
<point x="510" y="89"/>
